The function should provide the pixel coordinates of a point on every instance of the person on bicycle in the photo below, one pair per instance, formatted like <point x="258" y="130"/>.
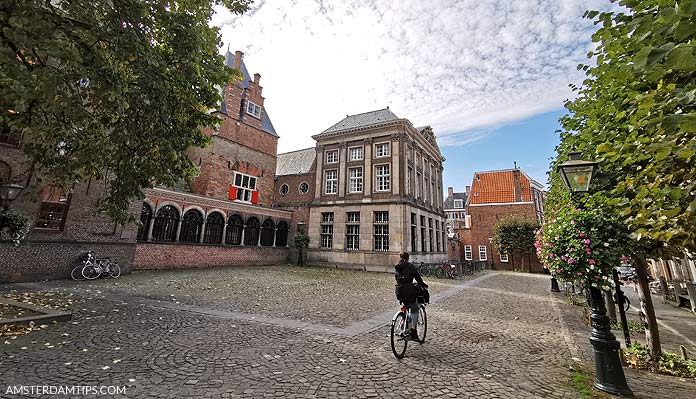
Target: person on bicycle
<point x="406" y="291"/>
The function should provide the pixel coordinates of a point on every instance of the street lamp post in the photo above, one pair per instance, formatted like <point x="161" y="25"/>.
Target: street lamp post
<point x="609" y="375"/>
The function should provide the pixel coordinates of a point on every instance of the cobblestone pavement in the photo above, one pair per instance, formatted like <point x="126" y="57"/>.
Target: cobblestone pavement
<point x="493" y="336"/>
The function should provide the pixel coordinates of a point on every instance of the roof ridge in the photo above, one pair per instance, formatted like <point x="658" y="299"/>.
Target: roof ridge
<point x="303" y="149"/>
<point x="374" y="110"/>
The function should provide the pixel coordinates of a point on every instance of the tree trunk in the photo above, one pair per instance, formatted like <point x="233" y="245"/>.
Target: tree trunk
<point x="652" y="335"/>
<point x="611" y="307"/>
<point x="529" y="261"/>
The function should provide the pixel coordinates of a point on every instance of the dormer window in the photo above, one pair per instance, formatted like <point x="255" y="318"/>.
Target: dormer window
<point x="253" y="110"/>
<point x="458" y="204"/>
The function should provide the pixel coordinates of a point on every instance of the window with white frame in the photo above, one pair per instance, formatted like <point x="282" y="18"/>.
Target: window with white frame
<point x="355" y="181"/>
<point x="504" y="257"/>
<point x="356" y="153"/>
<point x="331" y="182"/>
<point x="253" y="109"/>
<point x="458" y="204"/>
<point x="245" y="184"/>
<point x="483" y="255"/>
<point x="468" y="253"/>
<point x="327" y="219"/>
<point x="332" y="156"/>
<point x="382" y="178"/>
<point x="381" y="231"/>
<point x="353" y="231"/>
<point x="382" y="150"/>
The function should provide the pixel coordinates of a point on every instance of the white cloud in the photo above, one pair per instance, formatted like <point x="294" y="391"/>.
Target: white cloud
<point x="457" y="65"/>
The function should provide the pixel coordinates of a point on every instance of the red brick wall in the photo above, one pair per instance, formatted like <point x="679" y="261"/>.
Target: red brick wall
<point x="171" y="256"/>
<point x="51" y="254"/>
<point x="293" y="197"/>
<point x="483" y="221"/>
<point x="219" y="160"/>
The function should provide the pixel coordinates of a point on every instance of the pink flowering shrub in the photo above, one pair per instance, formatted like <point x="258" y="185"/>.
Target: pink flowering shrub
<point x="581" y="244"/>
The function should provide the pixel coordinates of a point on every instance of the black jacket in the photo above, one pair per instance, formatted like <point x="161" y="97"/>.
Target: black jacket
<point x="406" y="272"/>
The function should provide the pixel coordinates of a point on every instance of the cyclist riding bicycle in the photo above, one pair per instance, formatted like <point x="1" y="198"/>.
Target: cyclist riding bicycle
<point x="406" y="291"/>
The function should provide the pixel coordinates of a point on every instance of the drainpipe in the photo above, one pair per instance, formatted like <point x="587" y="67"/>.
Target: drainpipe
<point x="275" y="189"/>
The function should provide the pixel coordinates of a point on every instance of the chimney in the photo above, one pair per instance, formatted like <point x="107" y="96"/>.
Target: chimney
<point x="238" y="57"/>
<point x="468" y="190"/>
<point x="450" y="191"/>
<point x="257" y="78"/>
<point x="516" y="185"/>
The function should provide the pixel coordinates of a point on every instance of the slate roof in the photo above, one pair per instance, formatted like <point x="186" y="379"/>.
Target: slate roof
<point x="295" y="162"/>
<point x="499" y="187"/>
<point x="266" y="124"/>
<point x="364" y="119"/>
<point x="449" y="201"/>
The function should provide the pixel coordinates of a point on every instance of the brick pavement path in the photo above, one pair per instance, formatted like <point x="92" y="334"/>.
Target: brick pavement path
<point x="311" y="333"/>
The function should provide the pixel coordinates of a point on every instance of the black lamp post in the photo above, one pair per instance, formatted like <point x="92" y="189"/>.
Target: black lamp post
<point x="609" y="374"/>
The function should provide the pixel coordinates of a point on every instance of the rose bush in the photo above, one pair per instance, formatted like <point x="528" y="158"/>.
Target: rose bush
<point x="580" y="243"/>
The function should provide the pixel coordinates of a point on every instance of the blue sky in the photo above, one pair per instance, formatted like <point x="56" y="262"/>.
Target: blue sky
<point x="530" y="142"/>
<point x="489" y="76"/>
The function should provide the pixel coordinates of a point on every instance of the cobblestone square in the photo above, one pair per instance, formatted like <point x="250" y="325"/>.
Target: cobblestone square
<point x="294" y="332"/>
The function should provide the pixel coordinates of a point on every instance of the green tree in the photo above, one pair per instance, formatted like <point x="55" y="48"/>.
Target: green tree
<point x="635" y="113"/>
<point x="112" y="90"/>
<point x="515" y="236"/>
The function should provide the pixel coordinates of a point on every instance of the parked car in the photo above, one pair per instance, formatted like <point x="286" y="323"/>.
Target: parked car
<point x="626" y="272"/>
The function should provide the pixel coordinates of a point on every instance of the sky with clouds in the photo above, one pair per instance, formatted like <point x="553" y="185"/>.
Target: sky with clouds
<point x="468" y="68"/>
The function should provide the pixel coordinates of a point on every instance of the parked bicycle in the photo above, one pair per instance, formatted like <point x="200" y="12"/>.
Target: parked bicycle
<point x="400" y="332"/>
<point x="626" y="302"/>
<point x="93" y="267"/>
<point x="447" y="270"/>
<point x="424" y="269"/>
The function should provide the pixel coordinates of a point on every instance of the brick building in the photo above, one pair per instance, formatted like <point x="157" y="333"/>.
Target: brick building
<point x="63" y="225"/>
<point x="227" y="215"/>
<point x="371" y="188"/>
<point x="376" y="191"/>
<point x="455" y="209"/>
<point x="492" y="196"/>
<point x="224" y="218"/>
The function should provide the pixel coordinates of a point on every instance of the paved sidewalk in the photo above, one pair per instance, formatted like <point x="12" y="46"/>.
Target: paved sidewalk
<point x="677" y="326"/>
<point x="644" y="384"/>
<point x="295" y="333"/>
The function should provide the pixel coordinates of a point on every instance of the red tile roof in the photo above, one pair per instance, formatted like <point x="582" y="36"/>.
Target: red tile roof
<point x="499" y="187"/>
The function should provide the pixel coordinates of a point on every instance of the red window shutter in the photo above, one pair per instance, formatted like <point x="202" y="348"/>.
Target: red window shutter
<point x="233" y="193"/>
<point x="254" y="197"/>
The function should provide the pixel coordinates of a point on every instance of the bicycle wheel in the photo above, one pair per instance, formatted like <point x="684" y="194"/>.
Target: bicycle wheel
<point x="468" y="271"/>
<point x="438" y="272"/>
<point x="398" y="342"/>
<point x="76" y="273"/>
<point x="115" y="270"/>
<point x="424" y="270"/>
<point x="90" y="272"/>
<point x="422" y="326"/>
